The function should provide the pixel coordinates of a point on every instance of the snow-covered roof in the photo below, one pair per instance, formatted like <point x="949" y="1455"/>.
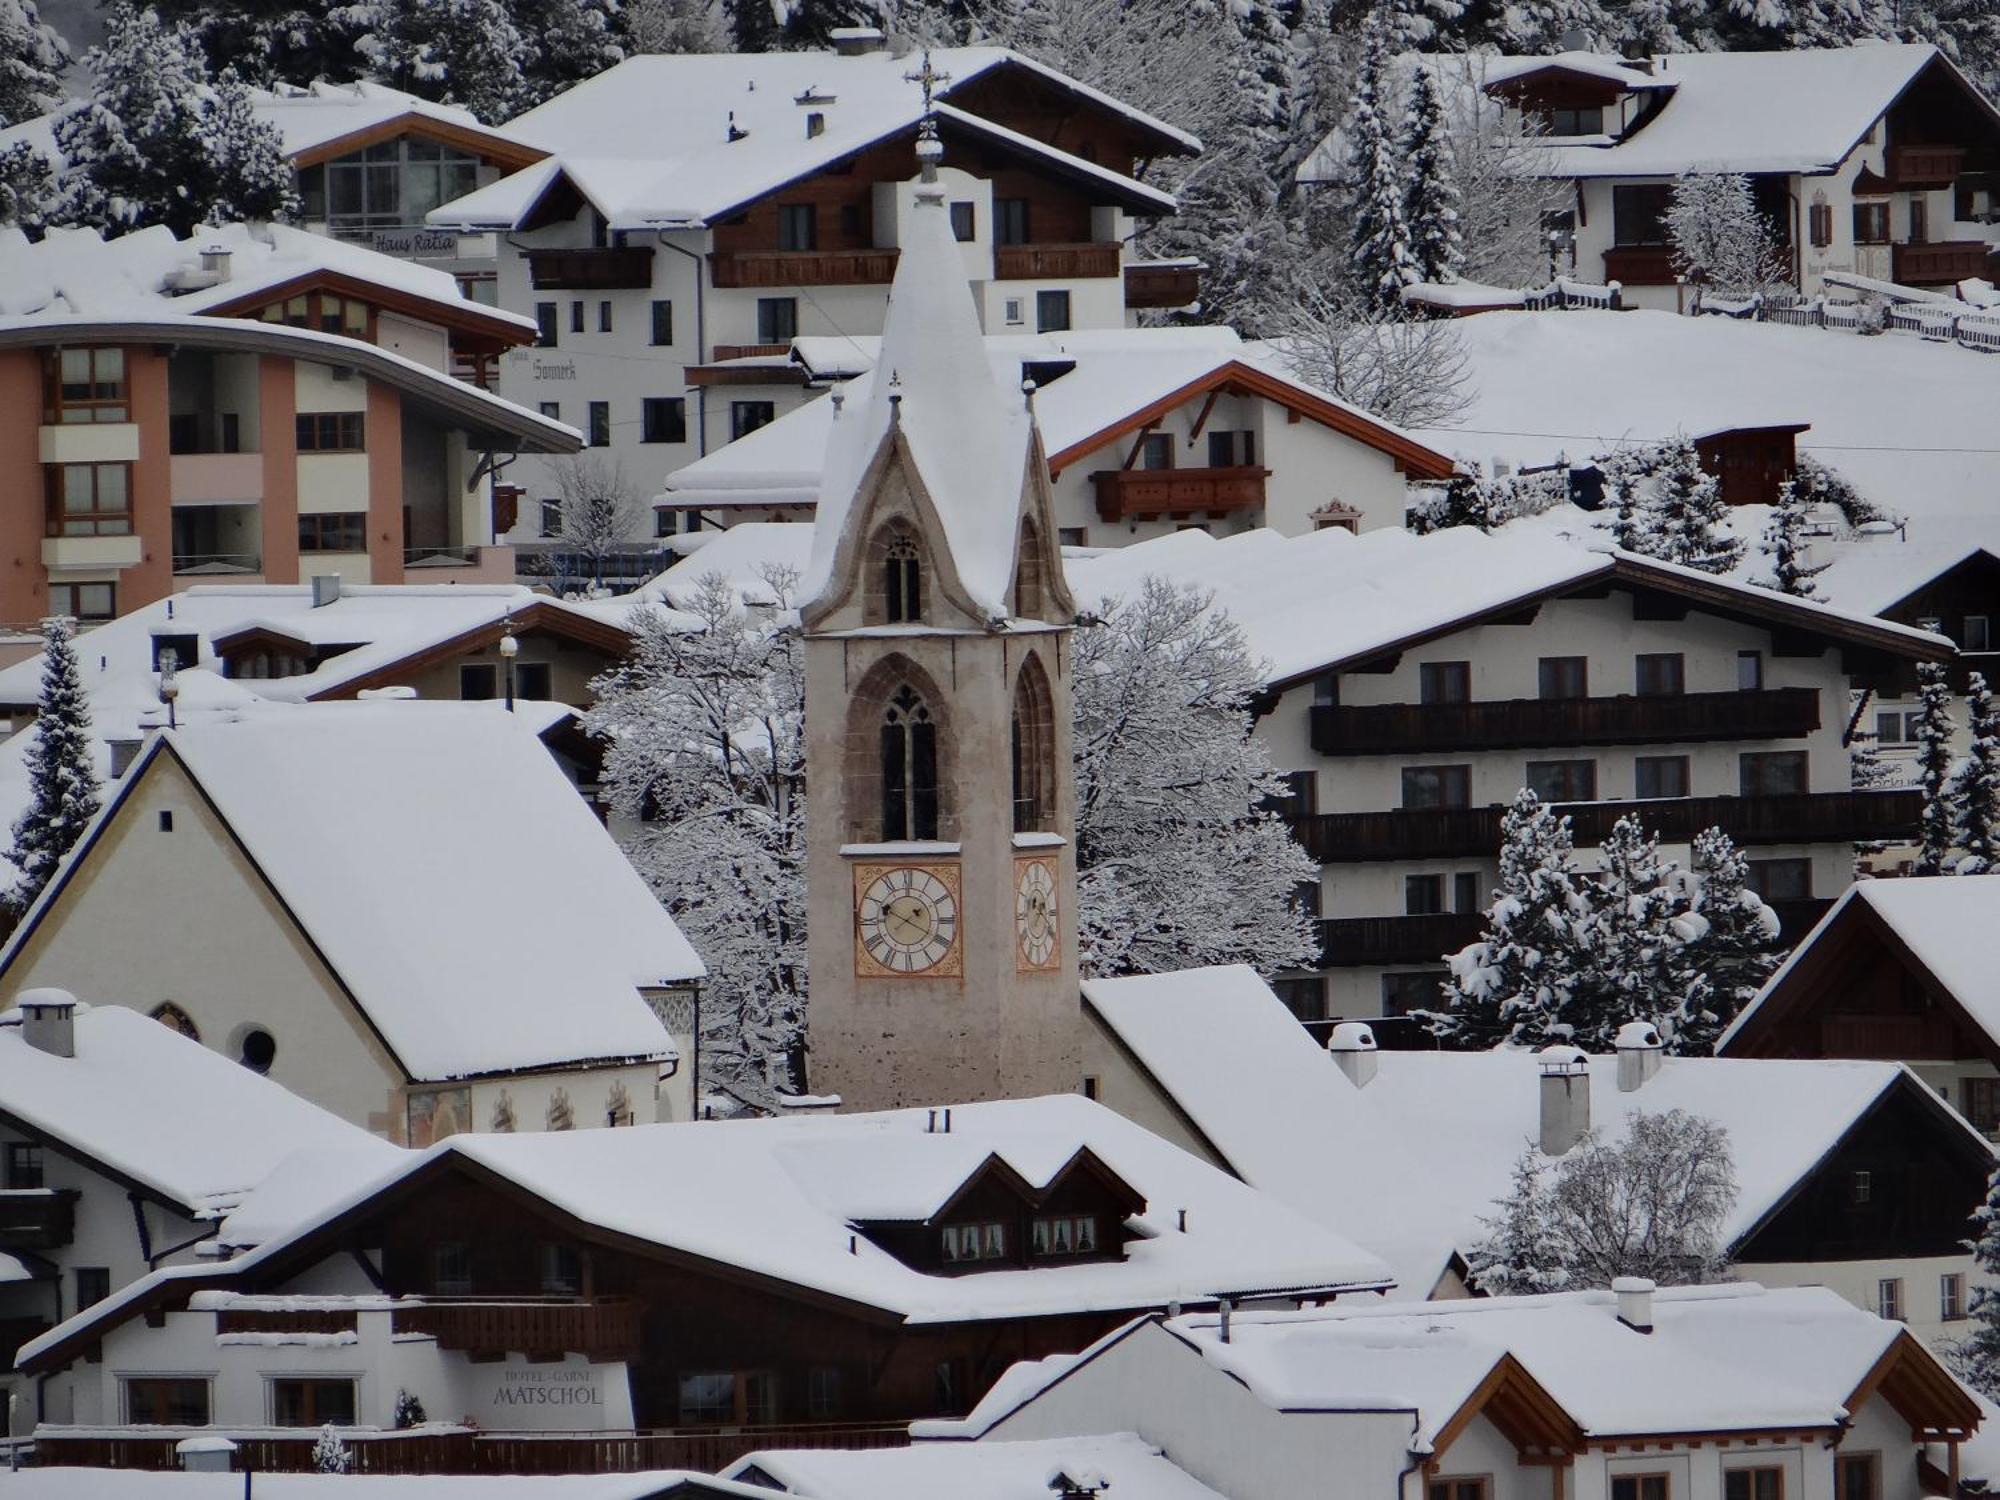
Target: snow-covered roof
<point x="163" y="1114"/>
<point x="323" y="114"/>
<point x="1498" y="70"/>
<point x="1942" y="920"/>
<point x="1584" y="382"/>
<point x="1314" y="602"/>
<point x="741" y="554"/>
<point x="1787" y="111"/>
<point x="77" y="271"/>
<point x="974" y="1471"/>
<point x="1115" y="377"/>
<point x="715" y="131"/>
<point x="1410" y="1163"/>
<point x="969" y="436"/>
<point x="139" y="1484"/>
<point x="781" y="1199"/>
<point x="1878" y="573"/>
<point x="457" y="813"/>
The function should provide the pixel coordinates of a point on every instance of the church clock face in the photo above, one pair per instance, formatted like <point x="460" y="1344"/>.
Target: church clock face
<point x="906" y="920"/>
<point x="1036" y="938"/>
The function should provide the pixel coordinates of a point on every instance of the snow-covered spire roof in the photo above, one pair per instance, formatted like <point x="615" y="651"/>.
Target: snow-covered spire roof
<point x="968" y="439"/>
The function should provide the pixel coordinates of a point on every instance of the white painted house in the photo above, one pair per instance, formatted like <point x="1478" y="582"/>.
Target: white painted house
<point x="1691" y="1393"/>
<point x="426" y="929"/>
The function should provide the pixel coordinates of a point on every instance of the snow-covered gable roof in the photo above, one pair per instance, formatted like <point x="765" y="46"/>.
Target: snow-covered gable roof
<point x="150" y="271"/>
<point x="426" y="820"/>
<point x="690" y="169"/>
<point x="1789" y="111"/>
<point x="1942" y="921"/>
<point x="973" y="1471"/>
<point x="162" y="1114"/>
<point x="1493" y="71"/>
<point x="1410" y="1163"/>
<point x="1878" y="573"/>
<point x="322" y="114"/>
<point x="1116" y="379"/>
<point x="139" y="1484"/>
<point x="969" y="437"/>
<point x="741" y="554"/>
<point x="1315" y="602"/>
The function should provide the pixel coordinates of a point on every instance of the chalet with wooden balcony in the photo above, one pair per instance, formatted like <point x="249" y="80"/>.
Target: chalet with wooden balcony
<point x="1895" y="970"/>
<point x="122" y="1146"/>
<point x="1418" y="683"/>
<point x="842" y="1276"/>
<point x="1148" y="430"/>
<point x="1885" y="166"/>
<point x="253" y="406"/>
<point x="694" y="208"/>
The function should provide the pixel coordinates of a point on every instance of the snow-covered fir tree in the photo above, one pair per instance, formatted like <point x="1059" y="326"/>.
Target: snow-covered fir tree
<point x="62" y="769"/>
<point x="1430" y="195"/>
<point x="329" y="1454"/>
<point x="27" y="188"/>
<point x="1522" y="1251"/>
<point x="1975" y="787"/>
<point x="1179" y="861"/>
<point x="464" y="52"/>
<point x="1515" y="983"/>
<point x="1937" y="825"/>
<point x="1466" y="499"/>
<point x="1634" y="965"/>
<point x="1787" y="545"/>
<point x="1381" y="263"/>
<point x="1976" y="1357"/>
<point x="1624" y="474"/>
<point x="753" y="25"/>
<point x="706" y="727"/>
<point x="160" y="142"/>
<point x="1681" y="516"/>
<point x="566" y="42"/>
<point x="1732" y="941"/>
<point x="409" y="1411"/>
<point x="32" y="59"/>
<point x="1821" y="484"/>
<point x="675" y="26"/>
<point x="1718" y="238"/>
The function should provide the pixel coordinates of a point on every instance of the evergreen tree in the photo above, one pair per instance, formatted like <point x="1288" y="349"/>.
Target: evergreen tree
<point x="409" y="1411"/>
<point x="1975" y="788"/>
<point x="1430" y="196"/>
<point x="251" y="179"/>
<point x="753" y="25"/>
<point x="1976" y="1357"/>
<point x="1785" y="543"/>
<point x="62" y="769"/>
<point x="674" y="26"/>
<point x="32" y="58"/>
<point x="1732" y="940"/>
<point x="1682" y="518"/>
<point x="1938" y="823"/>
<point x="566" y="41"/>
<point x="1623" y="472"/>
<point x="1522" y="1250"/>
<point x="330" y="1455"/>
<point x="1636" y="965"/>
<point x="464" y="52"/>
<point x="27" y="188"/>
<point x="1381" y="262"/>
<point x="1515" y="983"/>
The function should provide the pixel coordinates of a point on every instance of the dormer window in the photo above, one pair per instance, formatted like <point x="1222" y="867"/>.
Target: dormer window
<point x="963" y="1244"/>
<point x="1588" y="121"/>
<point x="1065" y="1234"/>
<point x="903" y="582"/>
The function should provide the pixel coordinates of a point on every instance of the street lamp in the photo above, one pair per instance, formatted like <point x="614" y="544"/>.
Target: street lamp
<point x="509" y="649"/>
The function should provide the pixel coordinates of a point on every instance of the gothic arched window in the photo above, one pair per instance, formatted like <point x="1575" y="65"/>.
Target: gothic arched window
<point x="909" y="769"/>
<point x="903" y="581"/>
<point x="1033" y="734"/>
<point x="1028" y="589"/>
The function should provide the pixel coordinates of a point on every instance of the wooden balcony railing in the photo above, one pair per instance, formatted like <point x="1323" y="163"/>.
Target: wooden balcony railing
<point x="610" y="268"/>
<point x="1639" y="265"/>
<point x="37" y="1218"/>
<point x="700" y="1449"/>
<point x="1922" y="167"/>
<point x="1152" y="494"/>
<point x="787" y="268"/>
<point x="1053" y="262"/>
<point x="1474" y="832"/>
<point x="1162" y="285"/>
<point x="1346" y="941"/>
<point x="1938" y="264"/>
<point x="750" y="351"/>
<point x="1521" y="723"/>
<point x="608" y="1329"/>
<point x="1904" y="1038"/>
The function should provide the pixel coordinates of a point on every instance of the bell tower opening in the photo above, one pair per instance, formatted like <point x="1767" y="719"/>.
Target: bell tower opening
<point x="909" y="769"/>
<point x="895" y="584"/>
<point x="1033" y="739"/>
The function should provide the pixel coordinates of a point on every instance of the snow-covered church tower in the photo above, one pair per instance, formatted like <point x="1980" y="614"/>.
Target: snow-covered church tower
<point x="941" y="864"/>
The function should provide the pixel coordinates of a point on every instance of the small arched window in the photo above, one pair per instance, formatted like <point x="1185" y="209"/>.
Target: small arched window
<point x="1033" y="734"/>
<point x="174" y="1018"/>
<point x="903" y="581"/>
<point x="1028" y="590"/>
<point x="909" y="769"/>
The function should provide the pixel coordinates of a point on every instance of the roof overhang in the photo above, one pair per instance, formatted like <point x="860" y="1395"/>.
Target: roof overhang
<point x="488" y="145"/>
<point x="458" y="316"/>
<point x="539" y="615"/>
<point x="1523" y="1410"/>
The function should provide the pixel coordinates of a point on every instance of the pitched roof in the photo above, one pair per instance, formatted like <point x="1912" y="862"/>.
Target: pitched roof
<point x="1939" y="922"/>
<point x="974" y="1471"/>
<point x="322" y="120"/>
<point x="692" y="170"/>
<point x="1442" y="1130"/>
<point x="1330" y="599"/>
<point x="779" y="1201"/>
<point x="970" y="439"/>
<point x="428" y="822"/>
<point x="163" y="1115"/>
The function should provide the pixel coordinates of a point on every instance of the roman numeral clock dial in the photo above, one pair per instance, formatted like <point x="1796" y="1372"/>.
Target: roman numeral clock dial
<point x="906" y="920"/>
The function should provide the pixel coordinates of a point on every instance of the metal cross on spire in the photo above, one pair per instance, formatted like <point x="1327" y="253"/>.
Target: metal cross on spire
<point x="930" y="78"/>
<point x="930" y="150"/>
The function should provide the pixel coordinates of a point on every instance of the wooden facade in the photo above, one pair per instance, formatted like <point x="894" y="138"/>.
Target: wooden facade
<point x="1963" y="603"/>
<point x="1522" y="723"/>
<point x="1751" y="464"/>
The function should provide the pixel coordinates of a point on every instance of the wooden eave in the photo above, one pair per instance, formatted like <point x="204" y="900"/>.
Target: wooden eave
<point x="490" y="147"/>
<point x="1781" y="429"/>
<point x="581" y="630"/>
<point x="458" y="317"/>
<point x="991" y="1169"/>
<point x="1969" y="556"/>
<point x="1239" y="379"/>
<point x="254" y="637"/>
<point x="1911" y="1380"/>
<point x="1520" y="1407"/>
<point x="1164" y="143"/>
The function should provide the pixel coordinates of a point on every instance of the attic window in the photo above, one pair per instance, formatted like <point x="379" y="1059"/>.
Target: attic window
<point x="1065" y="1234"/>
<point x="964" y="1244"/>
<point x="815" y="124"/>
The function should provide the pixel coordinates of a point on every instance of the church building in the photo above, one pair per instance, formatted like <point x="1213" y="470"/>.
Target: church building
<point x="941" y="864"/>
